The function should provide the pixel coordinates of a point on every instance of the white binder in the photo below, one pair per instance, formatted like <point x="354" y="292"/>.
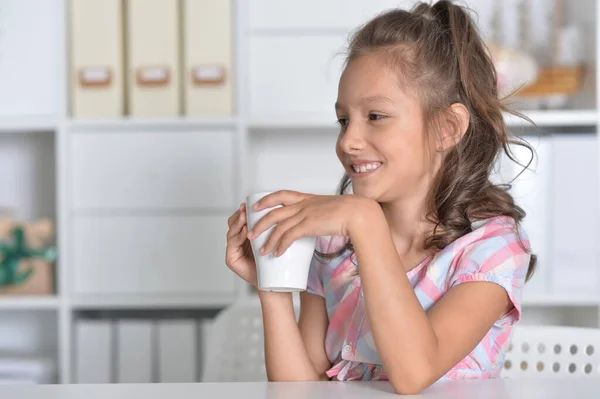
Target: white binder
<point x="153" y="80"/>
<point x="208" y="49"/>
<point x="134" y="351"/>
<point x="204" y="327"/>
<point x="93" y="355"/>
<point x="177" y="351"/>
<point x="96" y="37"/>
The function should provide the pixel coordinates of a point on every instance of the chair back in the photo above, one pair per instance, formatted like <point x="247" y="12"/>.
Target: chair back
<point x="553" y="351"/>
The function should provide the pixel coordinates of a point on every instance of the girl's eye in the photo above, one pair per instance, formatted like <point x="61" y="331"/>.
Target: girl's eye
<point x="342" y="122"/>
<point x="376" y="117"/>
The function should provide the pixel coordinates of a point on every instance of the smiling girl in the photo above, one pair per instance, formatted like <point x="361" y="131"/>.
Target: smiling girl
<point x="418" y="274"/>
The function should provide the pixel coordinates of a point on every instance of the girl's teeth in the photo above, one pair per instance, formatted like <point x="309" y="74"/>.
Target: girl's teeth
<point x="366" y="167"/>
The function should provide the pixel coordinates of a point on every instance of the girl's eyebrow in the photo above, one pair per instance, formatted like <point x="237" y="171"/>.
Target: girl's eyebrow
<point x="376" y="99"/>
<point x="367" y="100"/>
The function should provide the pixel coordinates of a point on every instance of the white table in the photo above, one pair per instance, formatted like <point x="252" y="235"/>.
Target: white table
<point x="490" y="389"/>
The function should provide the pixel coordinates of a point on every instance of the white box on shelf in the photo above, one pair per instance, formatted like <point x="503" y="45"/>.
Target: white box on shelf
<point x="177" y="351"/>
<point x="341" y="15"/>
<point x="279" y="161"/>
<point x="208" y="58"/>
<point x="29" y="60"/>
<point x="151" y="255"/>
<point x="96" y="77"/>
<point x="297" y="89"/>
<point x="93" y="351"/>
<point x="135" y="348"/>
<point x="574" y="214"/>
<point x="153" y="80"/>
<point x="159" y="170"/>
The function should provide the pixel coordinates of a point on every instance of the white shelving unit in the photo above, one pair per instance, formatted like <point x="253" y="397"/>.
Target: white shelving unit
<point x="267" y="150"/>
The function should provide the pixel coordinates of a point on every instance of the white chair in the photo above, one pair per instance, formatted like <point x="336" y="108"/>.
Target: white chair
<point x="235" y="350"/>
<point x="553" y="351"/>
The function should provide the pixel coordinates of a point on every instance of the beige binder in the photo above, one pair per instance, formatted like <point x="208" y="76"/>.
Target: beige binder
<point x="153" y="79"/>
<point x="96" y="41"/>
<point x="208" y="74"/>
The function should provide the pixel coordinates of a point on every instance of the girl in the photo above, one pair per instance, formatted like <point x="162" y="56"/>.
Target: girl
<point x="421" y="127"/>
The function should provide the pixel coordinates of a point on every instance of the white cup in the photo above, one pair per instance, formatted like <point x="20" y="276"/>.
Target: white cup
<point x="289" y="271"/>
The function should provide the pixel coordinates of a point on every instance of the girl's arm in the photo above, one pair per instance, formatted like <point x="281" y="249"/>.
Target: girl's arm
<point x="416" y="347"/>
<point x="292" y="352"/>
<point x="313" y="325"/>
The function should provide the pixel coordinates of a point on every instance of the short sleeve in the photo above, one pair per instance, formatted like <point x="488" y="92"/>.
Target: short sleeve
<point x="501" y="259"/>
<point x="315" y="273"/>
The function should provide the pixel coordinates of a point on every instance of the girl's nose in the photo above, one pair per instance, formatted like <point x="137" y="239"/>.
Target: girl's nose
<point x="352" y="140"/>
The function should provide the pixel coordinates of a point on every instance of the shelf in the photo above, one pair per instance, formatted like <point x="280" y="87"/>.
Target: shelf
<point x="561" y="300"/>
<point x="556" y="118"/>
<point x="545" y="118"/>
<point x="138" y="301"/>
<point x="150" y="124"/>
<point x="28" y="123"/>
<point x="28" y="302"/>
<point x="295" y="121"/>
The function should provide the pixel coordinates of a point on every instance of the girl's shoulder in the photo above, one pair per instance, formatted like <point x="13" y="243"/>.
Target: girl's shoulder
<point x="496" y="249"/>
<point x="495" y="231"/>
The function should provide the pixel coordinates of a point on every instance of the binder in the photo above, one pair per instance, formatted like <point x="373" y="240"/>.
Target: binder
<point x="208" y="76"/>
<point x="177" y="351"/>
<point x="94" y="347"/>
<point x="204" y="328"/>
<point x="153" y="78"/>
<point x="96" y="58"/>
<point x="135" y="351"/>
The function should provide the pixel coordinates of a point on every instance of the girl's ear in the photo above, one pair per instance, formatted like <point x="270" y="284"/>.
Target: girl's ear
<point x="456" y="123"/>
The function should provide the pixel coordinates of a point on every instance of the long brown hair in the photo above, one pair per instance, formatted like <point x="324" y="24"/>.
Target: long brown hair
<point x="441" y="57"/>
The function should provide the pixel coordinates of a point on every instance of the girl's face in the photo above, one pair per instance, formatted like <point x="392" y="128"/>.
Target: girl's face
<point x="382" y="143"/>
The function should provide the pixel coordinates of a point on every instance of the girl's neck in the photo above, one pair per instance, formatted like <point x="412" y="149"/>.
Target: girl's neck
<point x="409" y="229"/>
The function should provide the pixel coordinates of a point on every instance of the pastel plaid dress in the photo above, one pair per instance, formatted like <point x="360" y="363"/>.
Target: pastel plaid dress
<point x="491" y="252"/>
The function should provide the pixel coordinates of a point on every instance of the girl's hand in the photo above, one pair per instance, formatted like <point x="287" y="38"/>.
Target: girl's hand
<point x="304" y="215"/>
<point x="238" y="255"/>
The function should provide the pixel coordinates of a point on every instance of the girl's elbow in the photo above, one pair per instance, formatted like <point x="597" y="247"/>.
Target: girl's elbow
<point x="409" y="387"/>
<point x="411" y="383"/>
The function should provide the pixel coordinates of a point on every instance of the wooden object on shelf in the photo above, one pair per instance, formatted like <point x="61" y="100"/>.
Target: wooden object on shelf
<point x="41" y="281"/>
<point x="34" y="274"/>
<point x="555" y="80"/>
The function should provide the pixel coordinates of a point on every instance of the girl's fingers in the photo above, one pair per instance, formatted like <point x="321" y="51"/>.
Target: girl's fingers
<point x="288" y="238"/>
<point x="233" y="218"/>
<point x="237" y="224"/>
<point x="238" y="239"/>
<point x="282" y="197"/>
<point x="271" y="218"/>
<point x="278" y="232"/>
